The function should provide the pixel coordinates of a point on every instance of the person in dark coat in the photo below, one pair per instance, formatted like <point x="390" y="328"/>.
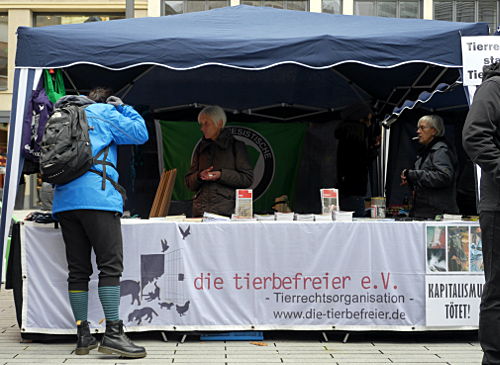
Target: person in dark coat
<point x="433" y="178"/>
<point x="481" y="141"/>
<point x="355" y="152"/>
<point x="220" y="165"/>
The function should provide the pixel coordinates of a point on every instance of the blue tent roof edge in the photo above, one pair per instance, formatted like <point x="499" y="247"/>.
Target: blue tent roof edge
<point x="245" y="37"/>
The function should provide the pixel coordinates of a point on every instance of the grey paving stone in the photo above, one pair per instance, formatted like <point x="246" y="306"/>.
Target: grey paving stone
<point x="191" y="361"/>
<point x="316" y="361"/>
<point x="200" y="356"/>
<point x="38" y="361"/>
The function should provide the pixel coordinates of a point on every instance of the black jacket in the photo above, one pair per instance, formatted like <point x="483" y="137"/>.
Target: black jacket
<point x="433" y="180"/>
<point x="228" y="156"/>
<point x="481" y="140"/>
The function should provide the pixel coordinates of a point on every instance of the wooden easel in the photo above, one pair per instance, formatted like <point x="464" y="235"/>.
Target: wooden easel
<point x="163" y="196"/>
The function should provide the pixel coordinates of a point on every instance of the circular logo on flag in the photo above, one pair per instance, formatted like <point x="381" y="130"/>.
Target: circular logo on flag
<point x="261" y="156"/>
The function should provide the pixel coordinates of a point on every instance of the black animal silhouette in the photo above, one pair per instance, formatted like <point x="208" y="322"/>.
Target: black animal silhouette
<point x="138" y="314"/>
<point x="182" y="309"/>
<point x="166" y="305"/>
<point x="152" y="267"/>
<point x="164" y="245"/>
<point x="131" y="287"/>
<point x="154" y="294"/>
<point x="185" y="232"/>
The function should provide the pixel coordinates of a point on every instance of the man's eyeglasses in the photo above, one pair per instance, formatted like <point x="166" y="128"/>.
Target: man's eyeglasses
<point x="422" y="127"/>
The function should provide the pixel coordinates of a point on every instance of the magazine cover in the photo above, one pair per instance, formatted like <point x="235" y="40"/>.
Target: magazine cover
<point x="436" y="248"/>
<point x="244" y="203"/>
<point x="329" y="200"/>
<point x="458" y="248"/>
<point x="476" y="250"/>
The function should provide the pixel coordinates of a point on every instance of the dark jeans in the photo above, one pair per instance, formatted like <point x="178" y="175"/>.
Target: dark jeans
<point x="489" y="315"/>
<point x="84" y="230"/>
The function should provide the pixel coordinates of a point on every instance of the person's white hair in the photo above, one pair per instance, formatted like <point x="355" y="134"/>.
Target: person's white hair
<point x="215" y="112"/>
<point x="434" y="121"/>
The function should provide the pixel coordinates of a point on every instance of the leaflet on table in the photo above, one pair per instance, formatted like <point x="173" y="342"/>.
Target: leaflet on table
<point x="212" y="217"/>
<point x="304" y="217"/>
<point x="341" y="216"/>
<point x="244" y="203"/>
<point x="329" y="200"/>
<point x="265" y="217"/>
<point x="175" y="218"/>
<point x="284" y="216"/>
<point x="322" y="217"/>
<point x="237" y="218"/>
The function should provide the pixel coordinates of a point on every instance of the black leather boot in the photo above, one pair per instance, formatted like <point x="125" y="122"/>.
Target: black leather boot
<point x="116" y="342"/>
<point x="85" y="341"/>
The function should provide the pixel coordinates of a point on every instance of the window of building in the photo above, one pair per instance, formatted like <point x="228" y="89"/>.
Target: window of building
<point x="189" y="6"/>
<point x="393" y="9"/>
<point x="3" y="51"/>
<point x="284" y="4"/>
<point x="331" y="6"/>
<point x="467" y="11"/>
<point x="43" y="19"/>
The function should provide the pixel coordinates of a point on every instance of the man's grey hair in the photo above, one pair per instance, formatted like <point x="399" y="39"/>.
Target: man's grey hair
<point x="434" y="121"/>
<point x="215" y="112"/>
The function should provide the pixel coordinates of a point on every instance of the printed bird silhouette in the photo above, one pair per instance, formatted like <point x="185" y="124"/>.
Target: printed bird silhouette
<point x="182" y="309"/>
<point x="164" y="245"/>
<point x="166" y="305"/>
<point x="186" y="232"/>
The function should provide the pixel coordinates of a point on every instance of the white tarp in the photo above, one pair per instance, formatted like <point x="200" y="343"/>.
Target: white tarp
<point x="232" y="276"/>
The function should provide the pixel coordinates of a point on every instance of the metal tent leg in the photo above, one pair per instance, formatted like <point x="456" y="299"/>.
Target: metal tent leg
<point x="325" y="336"/>
<point x="164" y="336"/>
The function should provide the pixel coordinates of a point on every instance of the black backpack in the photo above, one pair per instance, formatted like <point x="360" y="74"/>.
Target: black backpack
<point x="66" y="151"/>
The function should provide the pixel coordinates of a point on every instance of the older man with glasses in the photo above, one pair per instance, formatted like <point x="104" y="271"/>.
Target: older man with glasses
<point x="433" y="178"/>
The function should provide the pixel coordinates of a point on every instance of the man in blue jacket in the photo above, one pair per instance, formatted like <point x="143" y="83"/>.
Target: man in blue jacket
<point x="89" y="209"/>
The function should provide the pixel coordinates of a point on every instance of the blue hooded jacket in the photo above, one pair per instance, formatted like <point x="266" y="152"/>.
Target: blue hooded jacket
<point x="108" y="125"/>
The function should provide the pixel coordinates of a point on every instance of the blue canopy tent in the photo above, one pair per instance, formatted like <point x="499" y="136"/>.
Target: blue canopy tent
<point x="241" y="58"/>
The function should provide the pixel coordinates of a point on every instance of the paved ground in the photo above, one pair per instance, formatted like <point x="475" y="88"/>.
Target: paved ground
<point x="280" y="347"/>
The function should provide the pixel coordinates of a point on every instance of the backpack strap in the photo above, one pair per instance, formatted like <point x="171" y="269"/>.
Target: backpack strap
<point x="117" y="186"/>
<point x="104" y="175"/>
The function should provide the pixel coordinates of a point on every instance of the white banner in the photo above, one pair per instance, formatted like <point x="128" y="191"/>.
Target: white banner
<point x="455" y="279"/>
<point x="453" y="300"/>
<point x="243" y="275"/>
<point x="478" y="52"/>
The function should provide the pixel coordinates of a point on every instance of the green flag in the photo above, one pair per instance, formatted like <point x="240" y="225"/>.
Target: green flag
<point x="274" y="150"/>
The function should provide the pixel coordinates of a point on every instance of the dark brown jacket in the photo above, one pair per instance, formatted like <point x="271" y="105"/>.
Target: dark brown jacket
<point x="227" y="155"/>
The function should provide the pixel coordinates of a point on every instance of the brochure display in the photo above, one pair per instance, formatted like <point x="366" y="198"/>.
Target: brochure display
<point x="329" y="200"/>
<point x="243" y="204"/>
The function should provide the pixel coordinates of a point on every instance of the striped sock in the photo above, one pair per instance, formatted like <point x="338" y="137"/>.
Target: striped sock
<point x="110" y="301"/>
<point x="79" y="304"/>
